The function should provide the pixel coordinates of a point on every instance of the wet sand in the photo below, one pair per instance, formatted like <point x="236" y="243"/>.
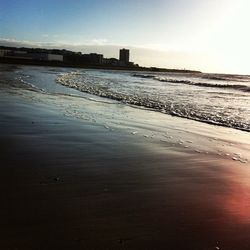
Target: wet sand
<point x="82" y="174"/>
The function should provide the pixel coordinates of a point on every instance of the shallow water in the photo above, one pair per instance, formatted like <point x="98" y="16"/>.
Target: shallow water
<point x="216" y="99"/>
<point x="212" y="98"/>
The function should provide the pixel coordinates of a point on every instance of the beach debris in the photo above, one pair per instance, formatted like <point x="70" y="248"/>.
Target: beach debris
<point x="134" y="133"/>
<point x="186" y="146"/>
<point x="105" y="126"/>
<point x="189" y="141"/>
<point x="146" y="136"/>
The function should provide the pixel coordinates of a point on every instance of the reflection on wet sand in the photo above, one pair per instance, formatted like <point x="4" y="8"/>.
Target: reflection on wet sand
<point x="80" y="173"/>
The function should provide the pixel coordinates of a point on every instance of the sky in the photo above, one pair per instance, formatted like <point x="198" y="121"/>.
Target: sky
<point x="206" y="35"/>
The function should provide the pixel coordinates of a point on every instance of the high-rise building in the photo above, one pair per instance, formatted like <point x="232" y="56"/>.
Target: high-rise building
<point x="124" y="56"/>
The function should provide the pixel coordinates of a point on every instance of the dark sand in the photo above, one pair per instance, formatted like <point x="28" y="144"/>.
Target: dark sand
<point x="74" y="183"/>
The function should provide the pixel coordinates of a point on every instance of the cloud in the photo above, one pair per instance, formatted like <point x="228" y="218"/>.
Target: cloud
<point x="99" y="41"/>
<point x="12" y="42"/>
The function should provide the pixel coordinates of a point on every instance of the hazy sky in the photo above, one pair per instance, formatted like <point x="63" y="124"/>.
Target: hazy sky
<point x="208" y="35"/>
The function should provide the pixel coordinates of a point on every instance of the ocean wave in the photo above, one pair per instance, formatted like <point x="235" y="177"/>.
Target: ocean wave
<point x="218" y="78"/>
<point x="239" y="87"/>
<point x="235" y="78"/>
<point x="206" y="84"/>
<point x="144" y="75"/>
<point x="170" y="107"/>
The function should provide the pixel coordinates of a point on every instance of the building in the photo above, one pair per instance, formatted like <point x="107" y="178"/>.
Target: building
<point x="21" y="54"/>
<point x="124" y="56"/>
<point x="54" y="57"/>
<point x="47" y="57"/>
<point x="16" y="54"/>
<point x="92" y="58"/>
<point x="4" y="52"/>
<point x="111" y="62"/>
<point x="39" y="56"/>
<point x="96" y="58"/>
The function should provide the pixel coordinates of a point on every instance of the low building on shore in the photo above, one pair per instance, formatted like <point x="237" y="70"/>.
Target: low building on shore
<point x="54" y="57"/>
<point x="21" y="54"/>
<point x="47" y="57"/>
<point x="4" y="52"/>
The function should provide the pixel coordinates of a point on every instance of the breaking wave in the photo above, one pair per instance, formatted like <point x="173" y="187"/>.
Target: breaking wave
<point x="206" y="84"/>
<point x="147" y="98"/>
<point x="143" y="75"/>
<point x="239" y="87"/>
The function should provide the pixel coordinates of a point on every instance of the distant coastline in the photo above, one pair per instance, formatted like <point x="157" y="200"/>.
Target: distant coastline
<point x="74" y="60"/>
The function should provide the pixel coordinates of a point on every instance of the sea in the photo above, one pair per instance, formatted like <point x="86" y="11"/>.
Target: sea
<point x="220" y="99"/>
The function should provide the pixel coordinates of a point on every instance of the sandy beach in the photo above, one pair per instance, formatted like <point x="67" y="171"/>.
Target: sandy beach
<point x="86" y="173"/>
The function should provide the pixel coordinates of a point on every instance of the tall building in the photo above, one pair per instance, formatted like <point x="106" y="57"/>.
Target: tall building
<point x="124" y="56"/>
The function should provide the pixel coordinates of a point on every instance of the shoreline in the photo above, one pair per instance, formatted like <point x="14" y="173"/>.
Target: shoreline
<point x="89" y="66"/>
<point x="83" y="174"/>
